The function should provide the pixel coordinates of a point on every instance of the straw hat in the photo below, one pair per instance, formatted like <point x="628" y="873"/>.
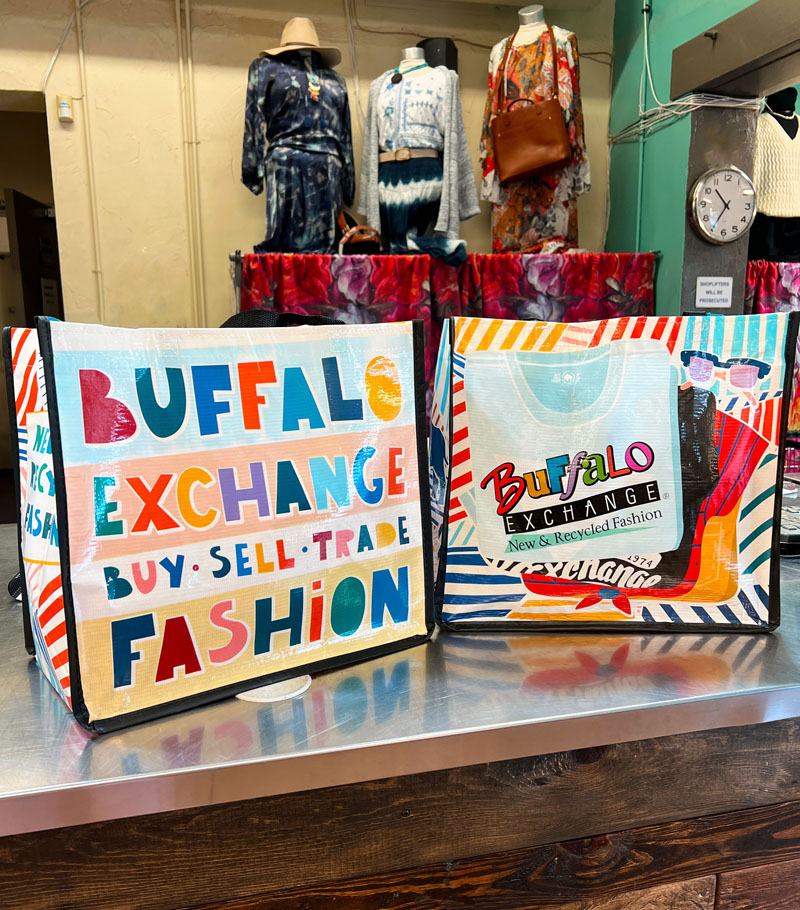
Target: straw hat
<point x="300" y="34"/>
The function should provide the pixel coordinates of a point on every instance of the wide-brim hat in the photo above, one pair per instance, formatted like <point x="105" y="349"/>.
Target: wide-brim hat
<point x="299" y="34"/>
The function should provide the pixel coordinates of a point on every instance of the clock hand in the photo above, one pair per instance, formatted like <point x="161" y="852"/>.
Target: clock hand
<point x="726" y="204"/>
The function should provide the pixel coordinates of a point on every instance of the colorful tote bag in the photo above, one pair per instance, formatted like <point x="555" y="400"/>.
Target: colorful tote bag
<point x="621" y="471"/>
<point x="209" y="510"/>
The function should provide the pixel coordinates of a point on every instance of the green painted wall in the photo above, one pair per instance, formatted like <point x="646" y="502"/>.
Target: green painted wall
<point x="662" y="158"/>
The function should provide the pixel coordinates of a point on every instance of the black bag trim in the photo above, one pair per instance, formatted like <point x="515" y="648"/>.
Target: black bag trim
<point x="420" y="401"/>
<point x="441" y="569"/>
<point x="76" y="689"/>
<point x="790" y="352"/>
<point x="164" y="709"/>
<point x="270" y="319"/>
<point x="774" y="608"/>
<point x="27" y="628"/>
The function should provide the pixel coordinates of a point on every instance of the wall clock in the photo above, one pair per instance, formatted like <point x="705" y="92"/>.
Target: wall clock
<point x="722" y="204"/>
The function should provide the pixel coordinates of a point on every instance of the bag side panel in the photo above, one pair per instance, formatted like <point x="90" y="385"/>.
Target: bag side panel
<point x="9" y="347"/>
<point x="39" y="525"/>
<point x="440" y="445"/>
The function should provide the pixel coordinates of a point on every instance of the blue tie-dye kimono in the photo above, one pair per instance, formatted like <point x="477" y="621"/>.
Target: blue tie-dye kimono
<point x="301" y="148"/>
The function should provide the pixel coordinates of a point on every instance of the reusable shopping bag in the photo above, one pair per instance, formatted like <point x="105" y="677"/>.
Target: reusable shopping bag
<point x="203" y="511"/>
<point x="622" y="472"/>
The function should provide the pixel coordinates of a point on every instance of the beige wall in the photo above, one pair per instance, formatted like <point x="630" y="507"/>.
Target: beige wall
<point x="24" y="166"/>
<point x="133" y="103"/>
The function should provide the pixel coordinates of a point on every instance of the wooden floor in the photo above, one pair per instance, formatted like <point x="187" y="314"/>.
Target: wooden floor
<point x="703" y="820"/>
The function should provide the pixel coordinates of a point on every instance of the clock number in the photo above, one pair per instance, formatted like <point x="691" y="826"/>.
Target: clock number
<point x="748" y="206"/>
<point x="735" y="229"/>
<point x="724" y="233"/>
<point x="705" y="217"/>
<point x="708" y="191"/>
<point x="743" y="219"/>
<point x="702" y="202"/>
<point x="728" y="178"/>
<point x="716" y="181"/>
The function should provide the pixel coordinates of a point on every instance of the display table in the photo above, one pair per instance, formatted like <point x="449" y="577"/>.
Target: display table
<point x="458" y="774"/>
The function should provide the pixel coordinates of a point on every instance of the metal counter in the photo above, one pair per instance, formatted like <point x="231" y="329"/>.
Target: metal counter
<point x="460" y="700"/>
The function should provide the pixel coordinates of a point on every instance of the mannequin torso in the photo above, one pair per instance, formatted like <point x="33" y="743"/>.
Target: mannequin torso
<point x="782" y="107"/>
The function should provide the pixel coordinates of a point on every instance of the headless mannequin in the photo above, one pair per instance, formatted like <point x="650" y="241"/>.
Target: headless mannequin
<point x="782" y="107"/>
<point x="531" y="25"/>
<point x="773" y="238"/>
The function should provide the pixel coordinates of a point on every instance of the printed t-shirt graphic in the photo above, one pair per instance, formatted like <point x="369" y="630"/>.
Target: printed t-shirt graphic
<point x="575" y="455"/>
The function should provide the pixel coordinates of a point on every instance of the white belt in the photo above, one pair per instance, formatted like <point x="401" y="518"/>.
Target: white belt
<point x="405" y="153"/>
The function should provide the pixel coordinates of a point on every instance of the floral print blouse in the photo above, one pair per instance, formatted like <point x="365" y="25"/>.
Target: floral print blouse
<point x="536" y="207"/>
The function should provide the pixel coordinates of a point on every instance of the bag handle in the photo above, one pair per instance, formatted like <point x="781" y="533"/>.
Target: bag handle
<point x="500" y="88"/>
<point x="269" y="319"/>
<point x="358" y="234"/>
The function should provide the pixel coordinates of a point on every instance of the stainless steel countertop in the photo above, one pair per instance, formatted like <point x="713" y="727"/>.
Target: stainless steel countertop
<point x="460" y="700"/>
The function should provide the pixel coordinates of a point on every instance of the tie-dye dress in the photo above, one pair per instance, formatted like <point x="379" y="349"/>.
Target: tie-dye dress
<point x="298" y="143"/>
<point x="529" y="214"/>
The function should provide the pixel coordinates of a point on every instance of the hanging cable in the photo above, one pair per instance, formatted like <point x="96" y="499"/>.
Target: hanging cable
<point x="60" y="46"/>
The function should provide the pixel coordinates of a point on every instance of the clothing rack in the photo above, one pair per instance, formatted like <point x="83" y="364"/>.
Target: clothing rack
<point x="235" y="260"/>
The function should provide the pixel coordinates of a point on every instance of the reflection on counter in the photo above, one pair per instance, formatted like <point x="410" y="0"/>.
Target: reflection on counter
<point x="457" y="679"/>
<point x="595" y="665"/>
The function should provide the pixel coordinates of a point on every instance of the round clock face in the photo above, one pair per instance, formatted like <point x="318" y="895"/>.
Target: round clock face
<point x="723" y="204"/>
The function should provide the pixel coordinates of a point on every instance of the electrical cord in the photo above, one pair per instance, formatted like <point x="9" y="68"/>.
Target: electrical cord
<point x="666" y="113"/>
<point x="67" y="29"/>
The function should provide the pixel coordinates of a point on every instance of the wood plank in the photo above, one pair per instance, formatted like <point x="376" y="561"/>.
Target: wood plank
<point x="588" y="870"/>
<point x="238" y="850"/>
<point x="697" y="894"/>
<point x="772" y="887"/>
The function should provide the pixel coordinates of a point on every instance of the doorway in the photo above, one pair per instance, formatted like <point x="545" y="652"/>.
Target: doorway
<point x="30" y="280"/>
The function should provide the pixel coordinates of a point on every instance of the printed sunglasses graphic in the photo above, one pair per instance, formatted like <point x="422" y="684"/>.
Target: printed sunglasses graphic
<point x="743" y="373"/>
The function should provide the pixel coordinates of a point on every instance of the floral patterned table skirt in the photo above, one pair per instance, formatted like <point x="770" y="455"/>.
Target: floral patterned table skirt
<point x="363" y="289"/>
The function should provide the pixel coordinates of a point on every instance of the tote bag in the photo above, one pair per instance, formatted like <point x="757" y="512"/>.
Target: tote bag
<point x="208" y="510"/>
<point x="620" y="472"/>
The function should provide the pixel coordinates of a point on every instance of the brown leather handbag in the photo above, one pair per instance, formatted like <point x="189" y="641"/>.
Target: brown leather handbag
<point x="354" y="238"/>
<point x="533" y="139"/>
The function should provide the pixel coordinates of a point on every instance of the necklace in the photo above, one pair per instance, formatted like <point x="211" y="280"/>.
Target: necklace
<point x="398" y="76"/>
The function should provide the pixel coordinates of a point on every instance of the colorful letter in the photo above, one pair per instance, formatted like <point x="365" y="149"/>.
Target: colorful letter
<point x="152" y="513"/>
<point x="208" y="379"/>
<point x="370" y="497"/>
<point x="124" y="632"/>
<point x="341" y="408"/>
<point x="266" y="624"/>
<point x="233" y="496"/>
<point x="186" y="480"/>
<point x="105" y="420"/>
<point x="102" y="509"/>
<point x="167" y="420"/>
<point x="239" y="632"/>
<point x="298" y="401"/>
<point x="177" y="650"/>
<point x="251" y="375"/>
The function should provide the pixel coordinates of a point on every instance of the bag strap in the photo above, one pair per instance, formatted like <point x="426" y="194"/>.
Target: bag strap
<point x="500" y="88"/>
<point x="554" y="84"/>
<point x="269" y="319"/>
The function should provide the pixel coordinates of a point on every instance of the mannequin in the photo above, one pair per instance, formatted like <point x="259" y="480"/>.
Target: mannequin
<point x="297" y="141"/>
<point x="775" y="234"/>
<point x="416" y="175"/>
<point x="540" y="213"/>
